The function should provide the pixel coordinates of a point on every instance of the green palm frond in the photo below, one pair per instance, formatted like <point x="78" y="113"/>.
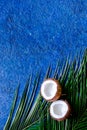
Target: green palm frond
<point x="33" y="114"/>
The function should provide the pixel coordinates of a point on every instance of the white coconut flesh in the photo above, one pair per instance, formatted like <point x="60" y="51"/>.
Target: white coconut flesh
<point x="58" y="109"/>
<point x="49" y="89"/>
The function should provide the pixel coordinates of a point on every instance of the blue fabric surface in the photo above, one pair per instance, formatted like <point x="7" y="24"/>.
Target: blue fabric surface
<point x="34" y="33"/>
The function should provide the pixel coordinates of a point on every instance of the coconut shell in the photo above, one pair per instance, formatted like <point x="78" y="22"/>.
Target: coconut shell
<point x="58" y="93"/>
<point x="66" y="115"/>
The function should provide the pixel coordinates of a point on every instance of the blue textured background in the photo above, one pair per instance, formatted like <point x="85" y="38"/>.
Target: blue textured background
<point x="34" y="33"/>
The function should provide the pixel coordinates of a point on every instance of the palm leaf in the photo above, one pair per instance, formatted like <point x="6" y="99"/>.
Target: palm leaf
<point x="8" y="123"/>
<point x="33" y="113"/>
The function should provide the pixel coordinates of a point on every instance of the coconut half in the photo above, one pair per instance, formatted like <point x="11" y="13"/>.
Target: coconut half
<point x="51" y="90"/>
<point x="60" y="110"/>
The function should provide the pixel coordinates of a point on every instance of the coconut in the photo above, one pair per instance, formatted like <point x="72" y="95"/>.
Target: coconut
<point x="51" y="90"/>
<point x="60" y="110"/>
